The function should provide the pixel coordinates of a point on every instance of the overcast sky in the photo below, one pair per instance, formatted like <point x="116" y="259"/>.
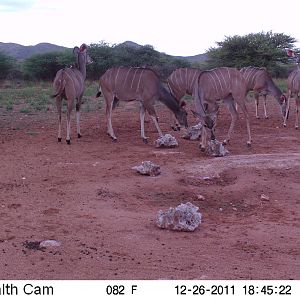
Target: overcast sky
<point x="176" y="27"/>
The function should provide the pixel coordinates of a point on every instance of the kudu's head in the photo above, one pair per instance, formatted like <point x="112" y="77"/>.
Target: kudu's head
<point x="209" y="119"/>
<point x="283" y="104"/>
<point x="82" y="58"/>
<point x="181" y="115"/>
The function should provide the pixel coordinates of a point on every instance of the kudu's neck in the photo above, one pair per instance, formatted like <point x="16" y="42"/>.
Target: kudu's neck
<point x="274" y="90"/>
<point x="81" y="65"/>
<point x="169" y="100"/>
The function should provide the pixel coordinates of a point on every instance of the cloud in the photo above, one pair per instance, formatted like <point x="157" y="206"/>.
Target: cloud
<point x="16" y="5"/>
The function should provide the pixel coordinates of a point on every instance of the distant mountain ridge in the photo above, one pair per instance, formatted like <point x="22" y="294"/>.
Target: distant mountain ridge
<point x="21" y="52"/>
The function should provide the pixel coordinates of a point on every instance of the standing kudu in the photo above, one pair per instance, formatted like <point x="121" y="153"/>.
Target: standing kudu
<point x="181" y="82"/>
<point x="212" y="86"/>
<point x="293" y="84"/>
<point x="260" y="82"/>
<point x="143" y="85"/>
<point x="69" y="84"/>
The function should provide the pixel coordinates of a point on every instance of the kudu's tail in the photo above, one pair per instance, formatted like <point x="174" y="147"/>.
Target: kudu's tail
<point x="59" y="84"/>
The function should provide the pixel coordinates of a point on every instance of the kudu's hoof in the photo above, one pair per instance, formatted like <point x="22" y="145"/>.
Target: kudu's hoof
<point x="284" y="125"/>
<point x="145" y="140"/>
<point x="79" y="135"/>
<point x="266" y="117"/>
<point x="249" y="144"/>
<point x="296" y="127"/>
<point x="225" y="142"/>
<point x="202" y="149"/>
<point x="174" y="128"/>
<point x="68" y="142"/>
<point x="59" y="140"/>
<point x="114" y="140"/>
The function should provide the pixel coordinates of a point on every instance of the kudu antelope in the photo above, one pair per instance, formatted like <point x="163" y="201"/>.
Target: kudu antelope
<point x="260" y="82"/>
<point x="181" y="82"/>
<point x="293" y="83"/>
<point x="69" y="84"/>
<point x="143" y="85"/>
<point x="213" y="85"/>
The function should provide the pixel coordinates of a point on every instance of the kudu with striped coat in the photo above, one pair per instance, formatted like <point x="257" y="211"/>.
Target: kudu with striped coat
<point x="69" y="84"/>
<point x="143" y="85"/>
<point x="260" y="82"/>
<point x="212" y="86"/>
<point x="293" y="83"/>
<point x="181" y="82"/>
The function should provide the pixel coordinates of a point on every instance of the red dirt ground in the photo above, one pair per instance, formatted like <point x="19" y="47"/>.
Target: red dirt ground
<point x="87" y="197"/>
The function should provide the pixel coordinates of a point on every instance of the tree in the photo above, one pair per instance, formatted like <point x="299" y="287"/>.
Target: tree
<point x="45" y="66"/>
<point x="255" y="49"/>
<point x="7" y="65"/>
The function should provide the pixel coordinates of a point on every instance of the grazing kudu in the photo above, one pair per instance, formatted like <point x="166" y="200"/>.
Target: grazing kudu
<point x="212" y="86"/>
<point x="143" y="85"/>
<point x="293" y="84"/>
<point x="260" y="82"/>
<point x="69" y="84"/>
<point x="181" y="82"/>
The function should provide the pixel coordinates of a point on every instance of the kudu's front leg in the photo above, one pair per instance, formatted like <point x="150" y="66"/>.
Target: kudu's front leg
<point x="110" y="131"/>
<point x="58" y="105"/>
<point x="142" y="120"/>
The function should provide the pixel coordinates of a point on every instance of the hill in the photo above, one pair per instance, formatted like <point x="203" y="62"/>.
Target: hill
<point x="21" y="52"/>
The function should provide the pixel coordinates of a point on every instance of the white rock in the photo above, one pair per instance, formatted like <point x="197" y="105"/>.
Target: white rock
<point x="147" y="168"/>
<point x="182" y="218"/>
<point x="264" y="197"/>
<point x="167" y="141"/>
<point x="50" y="243"/>
<point x="194" y="132"/>
<point x="216" y="149"/>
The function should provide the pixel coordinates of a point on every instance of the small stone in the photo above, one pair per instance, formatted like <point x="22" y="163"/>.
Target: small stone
<point x="264" y="197"/>
<point x="166" y="141"/>
<point x="147" y="168"/>
<point x="200" y="197"/>
<point x="216" y="149"/>
<point x="50" y="243"/>
<point x="193" y="133"/>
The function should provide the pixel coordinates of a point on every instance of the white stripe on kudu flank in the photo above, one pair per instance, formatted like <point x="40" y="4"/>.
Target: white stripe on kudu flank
<point x="181" y="76"/>
<point x="216" y="74"/>
<point x="136" y="69"/>
<point x="124" y="83"/>
<point x="193" y="80"/>
<point x="138" y="85"/>
<point x="213" y="79"/>
<point x="116" y="78"/>
<point x="225" y="83"/>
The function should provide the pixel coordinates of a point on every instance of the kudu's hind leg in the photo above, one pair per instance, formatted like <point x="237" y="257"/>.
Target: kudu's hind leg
<point x="297" y="112"/>
<point x="109" y="108"/>
<point x="287" y="108"/>
<point x="234" y="115"/>
<point x="69" y="111"/>
<point x="58" y="105"/>
<point x="265" y="107"/>
<point x="78" y="104"/>
<point x="244" y="109"/>
<point x="142" y="120"/>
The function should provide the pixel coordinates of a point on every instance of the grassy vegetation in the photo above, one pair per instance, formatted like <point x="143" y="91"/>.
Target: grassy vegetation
<point x="29" y="97"/>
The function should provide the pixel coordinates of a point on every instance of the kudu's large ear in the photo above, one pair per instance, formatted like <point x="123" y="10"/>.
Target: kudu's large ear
<point x="83" y="47"/>
<point x="76" y="50"/>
